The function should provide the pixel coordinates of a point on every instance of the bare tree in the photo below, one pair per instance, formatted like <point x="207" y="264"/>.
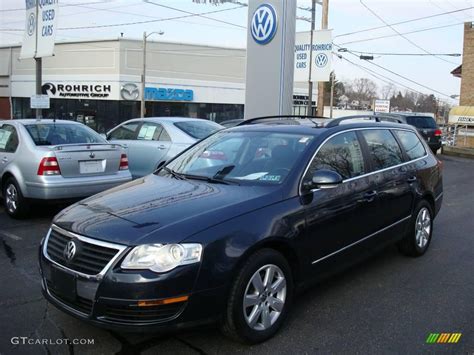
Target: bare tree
<point x="362" y="89"/>
<point x="388" y="91"/>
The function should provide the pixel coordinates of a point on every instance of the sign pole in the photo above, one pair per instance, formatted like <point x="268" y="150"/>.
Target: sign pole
<point x="324" y="26"/>
<point x="310" y="82"/>
<point x="142" y="104"/>
<point x="39" y="65"/>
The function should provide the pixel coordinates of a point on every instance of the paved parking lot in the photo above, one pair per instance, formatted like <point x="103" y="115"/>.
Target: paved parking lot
<point x="388" y="304"/>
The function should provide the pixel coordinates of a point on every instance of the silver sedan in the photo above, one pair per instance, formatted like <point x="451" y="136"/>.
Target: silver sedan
<point x="151" y="141"/>
<point x="55" y="159"/>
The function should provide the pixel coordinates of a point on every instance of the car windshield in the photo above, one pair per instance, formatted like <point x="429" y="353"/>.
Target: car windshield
<point x="241" y="157"/>
<point x="421" y="121"/>
<point x="198" y="129"/>
<point x="62" y="133"/>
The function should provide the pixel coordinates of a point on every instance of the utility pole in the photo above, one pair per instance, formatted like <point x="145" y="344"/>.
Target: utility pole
<point x="331" y="102"/>
<point x="324" y="26"/>
<point x="309" y="110"/>
<point x="142" y="104"/>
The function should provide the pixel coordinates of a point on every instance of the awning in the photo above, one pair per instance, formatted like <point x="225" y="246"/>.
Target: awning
<point x="462" y="115"/>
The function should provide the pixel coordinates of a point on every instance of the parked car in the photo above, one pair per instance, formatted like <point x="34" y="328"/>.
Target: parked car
<point x="54" y="159"/>
<point x="231" y="242"/>
<point x="426" y="126"/>
<point x="151" y="141"/>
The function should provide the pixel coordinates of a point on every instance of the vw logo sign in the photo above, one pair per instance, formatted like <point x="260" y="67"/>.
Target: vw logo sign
<point x="129" y="92"/>
<point x="264" y="24"/>
<point x="70" y="250"/>
<point x="31" y="25"/>
<point x="321" y="60"/>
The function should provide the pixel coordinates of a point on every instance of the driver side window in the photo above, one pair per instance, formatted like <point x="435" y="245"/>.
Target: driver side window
<point x="342" y="154"/>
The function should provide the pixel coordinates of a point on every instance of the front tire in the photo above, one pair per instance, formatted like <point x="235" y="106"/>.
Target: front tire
<point x="418" y="238"/>
<point x="260" y="298"/>
<point x="15" y="204"/>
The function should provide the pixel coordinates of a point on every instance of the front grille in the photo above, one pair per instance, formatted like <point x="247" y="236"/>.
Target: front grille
<point x="90" y="258"/>
<point x="79" y="304"/>
<point x="135" y="314"/>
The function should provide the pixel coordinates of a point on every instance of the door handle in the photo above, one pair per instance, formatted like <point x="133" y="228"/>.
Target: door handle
<point x="124" y="146"/>
<point x="411" y="179"/>
<point x="5" y="159"/>
<point x="370" y="196"/>
<point x="161" y="147"/>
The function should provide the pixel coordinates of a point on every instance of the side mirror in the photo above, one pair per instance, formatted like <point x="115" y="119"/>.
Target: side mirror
<point x="324" y="179"/>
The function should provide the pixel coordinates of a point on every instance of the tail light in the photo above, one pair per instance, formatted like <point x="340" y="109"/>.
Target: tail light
<point x="49" y="166"/>
<point x="123" y="162"/>
<point x="438" y="133"/>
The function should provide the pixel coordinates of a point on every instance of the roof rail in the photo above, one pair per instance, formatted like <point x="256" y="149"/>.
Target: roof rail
<point x="377" y="118"/>
<point x="250" y="120"/>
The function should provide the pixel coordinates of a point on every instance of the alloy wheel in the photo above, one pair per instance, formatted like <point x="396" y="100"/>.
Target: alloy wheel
<point x="423" y="227"/>
<point x="264" y="297"/>
<point x="11" y="198"/>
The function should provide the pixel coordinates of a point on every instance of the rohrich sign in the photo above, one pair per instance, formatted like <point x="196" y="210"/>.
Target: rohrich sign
<point x="81" y="91"/>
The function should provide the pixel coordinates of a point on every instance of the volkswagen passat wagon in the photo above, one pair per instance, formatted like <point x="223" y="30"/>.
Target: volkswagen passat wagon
<point x="231" y="227"/>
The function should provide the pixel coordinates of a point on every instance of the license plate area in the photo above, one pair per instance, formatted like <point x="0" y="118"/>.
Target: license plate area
<point x="91" y="166"/>
<point x="64" y="284"/>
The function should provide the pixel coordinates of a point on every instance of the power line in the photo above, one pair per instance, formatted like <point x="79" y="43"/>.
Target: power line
<point x="405" y="33"/>
<point x="401" y="54"/>
<point x="403" y="22"/>
<point x="401" y="34"/>
<point x="199" y="15"/>
<point x="399" y="75"/>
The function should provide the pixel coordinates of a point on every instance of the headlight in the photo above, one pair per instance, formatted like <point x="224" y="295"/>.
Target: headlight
<point x="162" y="258"/>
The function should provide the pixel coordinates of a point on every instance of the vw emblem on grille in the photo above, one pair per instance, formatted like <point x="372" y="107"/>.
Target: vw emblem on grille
<point x="70" y="250"/>
<point x="264" y="24"/>
<point x="92" y="155"/>
<point x="321" y="60"/>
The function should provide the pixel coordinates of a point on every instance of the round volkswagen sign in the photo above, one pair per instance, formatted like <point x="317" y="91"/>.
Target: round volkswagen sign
<point x="31" y="25"/>
<point x="264" y="24"/>
<point x="321" y="60"/>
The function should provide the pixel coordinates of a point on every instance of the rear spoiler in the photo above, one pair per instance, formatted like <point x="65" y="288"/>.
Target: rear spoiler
<point x="87" y="145"/>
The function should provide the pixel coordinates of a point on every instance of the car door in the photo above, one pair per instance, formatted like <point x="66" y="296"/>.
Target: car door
<point x="338" y="218"/>
<point x="393" y="179"/>
<point x="8" y="145"/>
<point x="149" y="149"/>
<point x="124" y="134"/>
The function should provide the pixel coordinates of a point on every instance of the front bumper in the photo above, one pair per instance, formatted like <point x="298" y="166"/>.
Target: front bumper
<point x="111" y="301"/>
<point x="58" y="187"/>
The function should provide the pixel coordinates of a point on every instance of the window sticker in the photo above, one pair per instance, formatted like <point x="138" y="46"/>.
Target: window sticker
<point x="274" y="178"/>
<point x="147" y="132"/>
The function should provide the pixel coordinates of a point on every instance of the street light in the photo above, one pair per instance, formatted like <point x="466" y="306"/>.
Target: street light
<point x="145" y="36"/>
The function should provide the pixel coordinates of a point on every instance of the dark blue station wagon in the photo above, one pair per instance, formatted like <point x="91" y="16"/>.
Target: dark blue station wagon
<point x="228" y="230"/>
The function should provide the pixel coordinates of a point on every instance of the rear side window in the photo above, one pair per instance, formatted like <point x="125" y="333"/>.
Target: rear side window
<point x="126" y="131"/>
<point x="383" y="148"/>
<point x="342" y="154"/>
<point x="411" y="143"/>
<point x="198" y="129"/>
<point x="421" y="121"/>
<point x="8" y="139"/>
<point x="57" y="133"/>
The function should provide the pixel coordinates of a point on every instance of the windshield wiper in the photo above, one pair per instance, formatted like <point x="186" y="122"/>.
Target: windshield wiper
<point x="211" y="179"/>
<point x="223" y="172"/>
<point x="175" y="174"/>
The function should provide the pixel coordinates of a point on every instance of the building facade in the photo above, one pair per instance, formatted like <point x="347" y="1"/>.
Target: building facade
<point x="99" y="82"/>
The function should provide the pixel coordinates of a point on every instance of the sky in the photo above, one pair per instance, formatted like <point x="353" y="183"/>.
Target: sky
<point x="426" y="74"/>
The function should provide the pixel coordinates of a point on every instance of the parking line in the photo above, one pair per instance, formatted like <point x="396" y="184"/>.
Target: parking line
<point x="11" y="236"/>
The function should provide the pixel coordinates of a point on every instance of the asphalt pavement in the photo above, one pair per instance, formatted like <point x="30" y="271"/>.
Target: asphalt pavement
<point x="387" y="304"/>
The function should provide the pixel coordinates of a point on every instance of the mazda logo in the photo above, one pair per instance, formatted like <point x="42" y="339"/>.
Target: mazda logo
<point x="70" y="250"/>
<point x="129" y="92"/>
<point x="321" y="60"/>
<point x="264" y="24"/>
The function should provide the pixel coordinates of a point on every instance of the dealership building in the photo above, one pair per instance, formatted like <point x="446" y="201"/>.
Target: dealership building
<point x="99" y="82"/>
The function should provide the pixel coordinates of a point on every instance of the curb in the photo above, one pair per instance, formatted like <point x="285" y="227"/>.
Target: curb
<point x="458" y="152"/>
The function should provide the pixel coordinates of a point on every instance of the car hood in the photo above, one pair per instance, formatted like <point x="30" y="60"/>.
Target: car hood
<point x="158" y="209"/>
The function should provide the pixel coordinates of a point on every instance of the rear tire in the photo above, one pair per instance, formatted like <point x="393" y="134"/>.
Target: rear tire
<point x="418" y="238"/>
<point x="265" y="284"/>
<point x="15" y="204"/>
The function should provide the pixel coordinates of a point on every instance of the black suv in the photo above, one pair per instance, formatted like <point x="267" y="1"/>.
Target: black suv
<point x="426" y="126"/>
<point x="228" y="230"/>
